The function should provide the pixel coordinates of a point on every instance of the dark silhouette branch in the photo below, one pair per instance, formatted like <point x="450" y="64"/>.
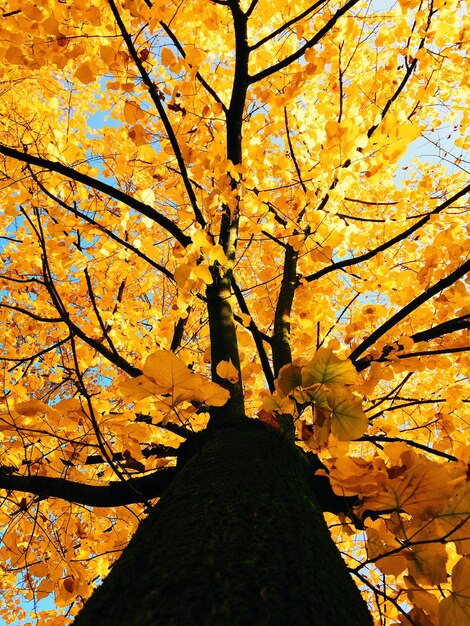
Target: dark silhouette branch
<point x="286" y="25"/>
<point x="257" y="337"/>
<point x="391" y="242"/>
<point x="292" y="153"/>
<point x="200" y="78"/>
<point x="75" y="330"/>
<point x="280" y="343"/>
<point x="106" y="231"/>
<point x="442" y="284"/>
<point x="116" y="493"/>
<point x="223" y="335"/>
<point x="409" y="71"/>
<point x="156" y="450"/>
<point x="34" y="316"/>
<point x="450" y="326"/>
<point x="310" y="43"/>
<point x="155" y="95"/>
<point x="99" y="185"/>
<point x="37" y="355"/>
<point x="103" y="326"/>
<point x="378" y="439"/>
<point x="179" y="331"/>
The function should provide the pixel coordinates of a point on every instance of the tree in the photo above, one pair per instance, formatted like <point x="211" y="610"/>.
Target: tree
<point x="234" y="305"/>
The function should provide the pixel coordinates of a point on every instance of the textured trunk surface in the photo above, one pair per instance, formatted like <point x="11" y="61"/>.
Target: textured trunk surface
<point x="236" y="540"/>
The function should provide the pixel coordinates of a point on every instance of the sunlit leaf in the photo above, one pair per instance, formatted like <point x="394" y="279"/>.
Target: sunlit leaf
<point x="226" y="369"/>
<point x="455" y="609"/>
<point x="290" y="377"/>
<point x="168" y="58"/>
<point x="211" y="394"/>
<point x="167" y="371"/>
<point x="328" y="369"/>
<point x="348" y="420"/>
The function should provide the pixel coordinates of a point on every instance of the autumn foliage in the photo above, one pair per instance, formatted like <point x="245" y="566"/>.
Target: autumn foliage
<point x="219" y="208"/>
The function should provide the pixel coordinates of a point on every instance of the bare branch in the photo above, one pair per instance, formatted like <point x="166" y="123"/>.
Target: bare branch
<point x="103" y="229"/>
<point x="200" y="78"/>
<point x="409" y="442"/>
<point x="292" y="153"/>
<point x="257" y="336"/>
<point x="450" y="326"/>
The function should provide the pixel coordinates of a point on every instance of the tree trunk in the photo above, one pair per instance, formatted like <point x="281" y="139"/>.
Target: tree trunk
<point x="237" y="539"/>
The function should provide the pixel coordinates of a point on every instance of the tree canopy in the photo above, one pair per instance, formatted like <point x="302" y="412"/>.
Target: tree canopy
<point x="219" y="208"/>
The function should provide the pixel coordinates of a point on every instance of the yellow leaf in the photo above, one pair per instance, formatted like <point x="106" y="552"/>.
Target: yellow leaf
<point x="138" y="135"/>
<point x="216" y="253"/>
<point x="211" y="394"/>
<point x="132" y="112"/>
<point x="168" y="58"/>
<point x="420" y="489"/>
<point x="182" y="274"/>
<point x="201" y="240"/>
<point x="348" y="420"/>
<point x="290" y="377"/>
<point x="140" y="387"/>
<point x="86" y="72"/>
<point x="427" y="562"/>
<point x="275" y="402"/>
<point x="15" y="55"/>
<point x="147" y="196"/>
<point x="352" y="476"/>
<point x="328" y="369"/>
<point x="380" y="541"/>
<point x="226" y="369"/>
<point x="203" y="272"/>
<point x="31" y="407"/>
<point x="455" y="610"/>
<point x="167" y="371"/>
<point x="454" y="519"/>
<point x="422" y="599"/>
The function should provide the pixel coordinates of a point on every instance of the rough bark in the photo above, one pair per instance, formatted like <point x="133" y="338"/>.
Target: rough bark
<point x="237" y="539"/>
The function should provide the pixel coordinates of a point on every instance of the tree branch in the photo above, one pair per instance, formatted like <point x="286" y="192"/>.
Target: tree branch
<point x="300" y="52"/>
<point x="445" y="282"/>
<point x="200" y="78"/>
<point x="409" y="442"/>
<point x="89" y="181"/>
<point x="281" y="336"/>
<point x="450" y="326"/>
<point x="116" y="493"/>
<point x="224" y="344"/>
<point x="287" y="24"/>
<point x="75" y="330"/>
<point x="257" y="336"/>
<point x="103" y="229"/>
<point x="391" y="242"/>
<point x="161" y="112"/>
